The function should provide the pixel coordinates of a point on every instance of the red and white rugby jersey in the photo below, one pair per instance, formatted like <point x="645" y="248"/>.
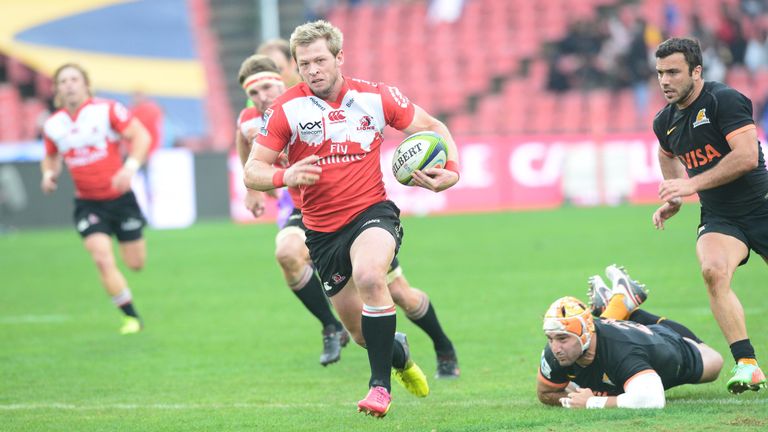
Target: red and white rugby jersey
<point x="252" y="118"/>
<point x="249" y="118"/>
<point x="347" y="135"/>
<point x="89" y="141"/>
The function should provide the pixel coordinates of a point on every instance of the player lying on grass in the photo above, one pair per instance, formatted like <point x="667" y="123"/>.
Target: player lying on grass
<point x="609" y="362"/>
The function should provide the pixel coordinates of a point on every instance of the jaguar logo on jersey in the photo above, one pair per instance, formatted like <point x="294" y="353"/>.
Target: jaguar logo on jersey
<point x="366" y="123"/>
<point x="546" y="369"/>
<point x="607" y="380"/>
<point x="337" y="116"/>
<point x="701" y="118"/>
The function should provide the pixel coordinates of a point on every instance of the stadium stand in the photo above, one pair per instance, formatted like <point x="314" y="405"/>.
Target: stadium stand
<point x="488" y="72"/>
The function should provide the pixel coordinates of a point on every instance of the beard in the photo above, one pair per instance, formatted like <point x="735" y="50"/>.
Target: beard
<point x="685" y="93"/>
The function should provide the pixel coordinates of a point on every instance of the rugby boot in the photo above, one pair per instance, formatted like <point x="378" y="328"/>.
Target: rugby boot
<point x="411" y="376"/>
<point x="130" y="325"/>
<point x="746" y="377"/>
<point x="334" y="339"/>
<point x="376" y="403"/>
<point x="599" y="295"/>
<point x="634" y="292"/>
<point x="447" y="366"/>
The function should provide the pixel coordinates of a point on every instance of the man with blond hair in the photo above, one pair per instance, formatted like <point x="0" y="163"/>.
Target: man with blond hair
<point x="331" y="128"/>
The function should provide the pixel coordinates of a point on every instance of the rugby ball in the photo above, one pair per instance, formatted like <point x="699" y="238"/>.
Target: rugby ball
<point x="419" y="151"/>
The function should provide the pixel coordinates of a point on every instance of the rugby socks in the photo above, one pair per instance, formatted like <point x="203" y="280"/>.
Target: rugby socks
<point x="310" y="291"/>
<point x="646" y="318"/>
<point x="398" y="356"/>
<point x="124" y="301"/>
<point x="743" y="352"/>
<point x="378" y="326"/>
<point x="425" y="318"/>
<point x="616" y="308"/>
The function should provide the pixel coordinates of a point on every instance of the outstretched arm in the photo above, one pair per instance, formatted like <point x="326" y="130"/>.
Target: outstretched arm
<point x="644" y="390"/>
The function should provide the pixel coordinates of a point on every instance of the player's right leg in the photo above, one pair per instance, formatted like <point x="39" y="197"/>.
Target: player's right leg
<point x="719" y="255"/>
<point x="419" y="309"/>
<point x="99" y="246"/>
<point x="293" y="257"/>
<point x="619" y="301"/>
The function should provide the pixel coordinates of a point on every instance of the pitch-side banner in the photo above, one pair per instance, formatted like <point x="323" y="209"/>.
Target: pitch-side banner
<point x="523" y="173"/>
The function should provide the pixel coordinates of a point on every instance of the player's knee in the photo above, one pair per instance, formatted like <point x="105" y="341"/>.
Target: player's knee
<point x="135" y="264"/>
<point x="289" y="257"/>
<point x="715" y="275"/>
<point x="104" y="261"/>
<point x="369" y="280"/>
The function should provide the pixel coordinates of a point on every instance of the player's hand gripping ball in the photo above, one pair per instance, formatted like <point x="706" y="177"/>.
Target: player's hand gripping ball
<point x="419" y="151"/>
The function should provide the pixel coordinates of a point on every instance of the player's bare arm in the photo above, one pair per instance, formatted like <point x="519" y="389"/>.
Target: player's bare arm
<point x="434" y="179"/>
<point x="138" y="137"/>
<point x="243" y="146"/>
<point x="254" y="200"/>
<point x="671" y="168"/>
<point x="742" y="158"/>
<point x="260" y="173"/>
<point x="548" y="394"/>
<point x="51" y="168"/>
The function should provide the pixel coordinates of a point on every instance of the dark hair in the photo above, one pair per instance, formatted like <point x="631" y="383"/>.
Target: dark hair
<point x="688" y="47"/>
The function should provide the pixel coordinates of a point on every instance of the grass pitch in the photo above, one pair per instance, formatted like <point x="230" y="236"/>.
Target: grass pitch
<point x="227" y="347"/>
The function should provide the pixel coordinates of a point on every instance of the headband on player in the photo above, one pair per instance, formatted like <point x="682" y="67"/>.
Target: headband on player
<point x="261" y="77"/>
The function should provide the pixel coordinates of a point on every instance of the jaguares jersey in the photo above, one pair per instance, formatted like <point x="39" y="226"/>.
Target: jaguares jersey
<point x="346" y="134"/>
<point x="625" y="349"/>
<point x="697" y="136"/>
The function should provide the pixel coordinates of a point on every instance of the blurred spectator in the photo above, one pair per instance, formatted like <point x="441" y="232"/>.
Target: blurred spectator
<point x="151" y="116"/>
<point x="639" y="67"/>
<point x="730" y="32"/>
<point x="756" y="55"/>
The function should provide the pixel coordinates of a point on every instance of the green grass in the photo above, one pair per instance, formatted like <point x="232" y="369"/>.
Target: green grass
<point x="228" y="347"/>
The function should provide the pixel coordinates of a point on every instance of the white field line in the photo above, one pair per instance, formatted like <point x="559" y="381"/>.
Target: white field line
<point x="214" y="406"/>
<point x="33" y="319"/>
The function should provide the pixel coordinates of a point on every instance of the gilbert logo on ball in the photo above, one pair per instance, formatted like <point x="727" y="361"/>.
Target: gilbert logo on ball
<point x="419" y="151"/>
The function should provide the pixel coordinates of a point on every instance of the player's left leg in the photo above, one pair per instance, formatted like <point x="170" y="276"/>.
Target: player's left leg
<point x="370" y="254"/>
<point x="419" y="309"/>
<point x="719" y="255"/>
<point x="712" y="363"/>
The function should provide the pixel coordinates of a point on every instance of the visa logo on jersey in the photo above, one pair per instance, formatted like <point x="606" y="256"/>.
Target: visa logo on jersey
<point x="699" y="157"/>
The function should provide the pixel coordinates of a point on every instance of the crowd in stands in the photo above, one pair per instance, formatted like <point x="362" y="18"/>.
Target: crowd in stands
<point x="584" y="60"/>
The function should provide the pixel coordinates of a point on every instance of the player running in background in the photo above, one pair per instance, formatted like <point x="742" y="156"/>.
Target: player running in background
<point x="707" y="132"/>
<point x="85" y="133"/>
<point x="293" y="255"/>
<point x="279" y="50"/>
<point x="603" y="362"/>
<point x="331" y="129"/>
<point x="263" y="84"/>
